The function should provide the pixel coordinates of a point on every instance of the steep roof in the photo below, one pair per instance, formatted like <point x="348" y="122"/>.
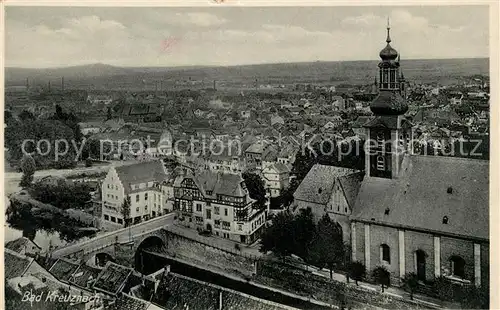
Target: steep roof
<point x="217" y="183"/>
<point x="19" y="244"/>
<point x="317" y="186"/>
<point x="15" y="264"/>
<point x="141" y="173"/>
<point x="63" y="269"/>
<point x="428" y="189"/>
<point x="127" y="302"/>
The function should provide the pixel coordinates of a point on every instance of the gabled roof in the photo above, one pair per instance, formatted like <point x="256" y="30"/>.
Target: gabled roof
<point x="216" y="183"/>
<point x="19" y="244"/>
<point x="112" y="278"/>
<point x="63" y="269"/>
<point x="317" y="186"/>
<point x="419" y="198"/>
<point x="141" y="173"/>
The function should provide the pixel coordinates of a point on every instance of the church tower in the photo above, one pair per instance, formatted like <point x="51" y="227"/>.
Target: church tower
<point x="389" y="132"/>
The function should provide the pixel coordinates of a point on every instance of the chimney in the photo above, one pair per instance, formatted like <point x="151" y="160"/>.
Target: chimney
<point x="220" y="300"/>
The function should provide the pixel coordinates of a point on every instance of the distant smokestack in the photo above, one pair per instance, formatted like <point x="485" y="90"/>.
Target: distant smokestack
<point x="27" y="83"/>
<point x="49" y="86"/>
<point x="62" y="83"/>
<point x="214" y="85"/>
<point x="156" y="86"/>
<point x="220" y="300"/>
<point x="161" y="85"/>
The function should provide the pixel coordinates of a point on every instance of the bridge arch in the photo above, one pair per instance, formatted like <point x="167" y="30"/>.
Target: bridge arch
<point x="144" y="262"/>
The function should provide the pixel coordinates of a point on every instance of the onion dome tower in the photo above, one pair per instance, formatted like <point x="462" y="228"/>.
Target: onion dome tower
<point x="389" y="131"/>
<point x="389" y="101"/>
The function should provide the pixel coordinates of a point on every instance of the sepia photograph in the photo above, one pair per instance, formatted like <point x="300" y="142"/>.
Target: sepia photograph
<point x="225" y="156"/>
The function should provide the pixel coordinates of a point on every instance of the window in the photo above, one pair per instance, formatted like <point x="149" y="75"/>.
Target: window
<point x="226" y="225"/>
<point x="120" y="221"/>
<point x="380" y="162"/>
<point x="146" y="207"/>
<point x="457" y="266"/>
<point x="113" y="219"/>
<point x="385" y="253"/>
<point x="199" y="219"/>
<point x="445" y="220"/>
<point x="198" y="207"/>
<point x="217" y="223"/>
<point x="108" y="185"/>
<point x="240" y="227"/>
<point x="380" y="140"/>
<point x="216" y="210"/>
<point x="209" y="192"/>
<point x="145" y="196"/>
<point x="106" y="217"/>
<point x="209" y="214"/>
<point x="137" y="209"/>
<point x="137" y="198"/>
<point x="225" y="211"/>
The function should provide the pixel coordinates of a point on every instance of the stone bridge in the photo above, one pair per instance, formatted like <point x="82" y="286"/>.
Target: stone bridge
<point x="119" y="245"/>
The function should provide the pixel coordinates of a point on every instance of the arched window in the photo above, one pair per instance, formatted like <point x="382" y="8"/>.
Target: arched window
<point x="380" y="162"/>
<point x="385" y="253"/>
<point x="457" y="266"/>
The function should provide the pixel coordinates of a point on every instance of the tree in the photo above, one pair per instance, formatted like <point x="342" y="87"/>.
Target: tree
<point x="382" y="276"/>
<point x="410" y="283"/>
<point x="304" y="230"/>
<point x="277" y="237"/>
<point x="26" y="116"/>
<point x="109" y="114"/>
<point x="328" y="247"/>
<point x="126" y="212"/>
<point x="28" y="168"/>
<point x="256" y="188"/>
<point x="356" y="271"/>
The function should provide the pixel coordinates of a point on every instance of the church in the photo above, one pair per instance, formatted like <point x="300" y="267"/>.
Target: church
<point x="427" y="215"/>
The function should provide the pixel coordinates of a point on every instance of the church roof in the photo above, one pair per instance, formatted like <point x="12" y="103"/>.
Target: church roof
<point x="388" y="103"/>
<point x="428" y="189"/>
<point x="317" y="186"/>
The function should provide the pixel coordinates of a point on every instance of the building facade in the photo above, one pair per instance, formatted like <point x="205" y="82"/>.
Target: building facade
<point x="141" y="184"/>
<point x="426" y="215"/>
<point x="218" y="203"/>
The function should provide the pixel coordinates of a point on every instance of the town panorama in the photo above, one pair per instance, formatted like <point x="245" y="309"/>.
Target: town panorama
<point x="247" y="158"/>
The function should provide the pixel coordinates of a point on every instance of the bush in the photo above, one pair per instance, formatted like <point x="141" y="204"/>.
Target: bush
<point x="88" y="162"/>
<point x="410" y="283"/>
<point x="356" y="271"/>
<point x="382" y="276"/>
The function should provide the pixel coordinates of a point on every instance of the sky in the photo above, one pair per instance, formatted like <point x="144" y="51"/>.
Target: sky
<point x="38" y="37"/>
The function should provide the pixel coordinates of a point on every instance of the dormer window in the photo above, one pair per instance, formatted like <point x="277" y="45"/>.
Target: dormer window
<point x="319" y="190"/>
<point x="445" y="220"/>
<point x="449" y="190"/>
<point x="387" y="210"/>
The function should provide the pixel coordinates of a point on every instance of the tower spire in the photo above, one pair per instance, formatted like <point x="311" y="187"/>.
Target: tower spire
<point x="388" y="40"/>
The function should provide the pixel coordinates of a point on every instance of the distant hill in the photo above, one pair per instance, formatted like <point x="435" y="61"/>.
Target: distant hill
<point x="110" y="77"/>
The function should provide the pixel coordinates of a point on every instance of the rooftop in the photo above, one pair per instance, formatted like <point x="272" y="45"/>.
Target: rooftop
<point x="428" y="189"/>
<point x="112" y="279"/>
<point x="141" y="173"/>
<point x="15" y="264"/>
<point x="317" y="186"/>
